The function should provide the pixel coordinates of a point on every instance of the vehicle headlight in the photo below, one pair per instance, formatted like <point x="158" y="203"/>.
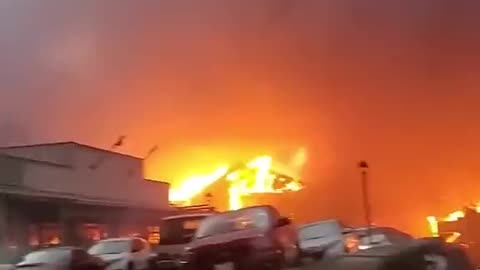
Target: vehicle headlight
<point x="363" y="247"/>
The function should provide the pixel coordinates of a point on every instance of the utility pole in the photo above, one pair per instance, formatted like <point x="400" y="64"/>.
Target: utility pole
<point x="365" y="194"/>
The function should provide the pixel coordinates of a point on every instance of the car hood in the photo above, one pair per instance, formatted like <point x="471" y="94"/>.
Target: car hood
<point x="226" y="238"/>
<point x="108" y="258"/>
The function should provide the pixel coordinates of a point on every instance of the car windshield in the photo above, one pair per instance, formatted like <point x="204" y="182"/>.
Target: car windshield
<point x="248" y="218"/>
<point x="110" y="247"/>
<point x="179" y="230"/>
<point x="46" y="256"/>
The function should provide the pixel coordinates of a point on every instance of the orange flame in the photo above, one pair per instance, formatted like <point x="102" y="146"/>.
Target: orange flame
<point x="195" y="185"/>
<point x="454" y="216"/>
<point x="433" y="225"/>
<point x="255" y="177"/>
<point x="452" y="238"/>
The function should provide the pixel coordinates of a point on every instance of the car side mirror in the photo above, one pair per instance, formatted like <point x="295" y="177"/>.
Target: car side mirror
<point x="284" y="221"/>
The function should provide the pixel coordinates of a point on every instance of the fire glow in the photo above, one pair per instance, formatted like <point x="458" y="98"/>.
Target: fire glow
<point x="453" y="216"/>
<point x="256" y="176"/>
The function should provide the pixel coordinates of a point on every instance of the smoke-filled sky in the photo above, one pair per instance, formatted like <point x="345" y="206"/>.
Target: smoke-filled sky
<point x="392" y="82"/>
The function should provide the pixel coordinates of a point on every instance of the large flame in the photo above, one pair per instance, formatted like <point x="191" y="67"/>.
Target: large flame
<point x="453" y="216"/>
<point x="195" y="184"/>
<point x="253" y="177"/>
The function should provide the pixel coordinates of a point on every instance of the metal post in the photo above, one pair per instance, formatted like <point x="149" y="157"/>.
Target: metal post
<point x="366" y="199"/>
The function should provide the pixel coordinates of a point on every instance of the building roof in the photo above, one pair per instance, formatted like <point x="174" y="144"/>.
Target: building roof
<point x="20" y="191"/>
<point x="67" y="143"/>
<point x="36" y="161"/>
<point x="34" y="145"/>
<point x="157" y="181"/>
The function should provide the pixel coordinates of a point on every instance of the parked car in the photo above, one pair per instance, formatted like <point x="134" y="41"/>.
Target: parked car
<point x="176" y="232"/>
<point x="428" y="254"/>
<point x="472" y="248"/>
<point x="131" y="253"/>
<point x="60" y="258"/>
<point x="367" y="238"/>
<point x="249" y="238"/>
<point x="323" y="238"/>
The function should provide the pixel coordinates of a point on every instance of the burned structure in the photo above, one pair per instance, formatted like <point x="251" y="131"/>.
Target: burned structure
<point x="464" y="231"/>
<point x="69" y="193"/>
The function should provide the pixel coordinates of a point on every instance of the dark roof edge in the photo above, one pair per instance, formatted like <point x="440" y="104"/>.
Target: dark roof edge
<point x="14" y="190"/>
<point x="158" y="181"/>
<point x="48" y="163"/>
<point x="36" y="144"/>
<point x="73" y="143"/>
<point x="106" y="150"/>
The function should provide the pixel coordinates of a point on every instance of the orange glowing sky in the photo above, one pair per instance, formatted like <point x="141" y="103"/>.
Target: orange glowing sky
<point x="215" y="81"/>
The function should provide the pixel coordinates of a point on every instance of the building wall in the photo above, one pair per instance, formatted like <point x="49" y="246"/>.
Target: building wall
<point x="11" y="171"/>
<point x="115" y="177"/>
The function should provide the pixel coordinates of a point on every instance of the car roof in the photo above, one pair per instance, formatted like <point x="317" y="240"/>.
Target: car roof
<point x="189" y="216"/>
<point x="383" y="230"/>
<point x="375" y="229"/>
<point x="261" y="206"/>
<point x="58" y="248"/>
<point x="119" y="239"/>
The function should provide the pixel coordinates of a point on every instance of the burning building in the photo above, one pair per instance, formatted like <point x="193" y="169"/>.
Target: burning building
<point x="238" y="185"/>
<point x="460" y="227"/>
<point x="69" y="193"/>
<point x="458" y="224"/>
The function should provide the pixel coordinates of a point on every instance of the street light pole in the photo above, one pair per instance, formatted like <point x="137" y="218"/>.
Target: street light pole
<point x="366" y="200"/>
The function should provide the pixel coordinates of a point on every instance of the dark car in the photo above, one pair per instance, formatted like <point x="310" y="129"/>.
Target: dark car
<point x="249" y="238"/>
<point x="60" y="258"/>
<point x="367" y="238"/>
<point x="424" y="254"/>
<point x="176" y="232"/>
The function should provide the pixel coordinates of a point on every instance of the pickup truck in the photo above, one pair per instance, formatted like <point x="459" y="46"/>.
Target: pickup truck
<point x="176" y="232"/>
<point x="249" y="238"/>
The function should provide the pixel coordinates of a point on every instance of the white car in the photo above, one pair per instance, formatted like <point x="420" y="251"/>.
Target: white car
<point x="323" y="238"/>
<point x="130" y="253"/>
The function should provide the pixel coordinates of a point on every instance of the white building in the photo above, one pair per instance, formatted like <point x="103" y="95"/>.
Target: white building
<point x="49" y="191"/>
<point x="65" y="170"/>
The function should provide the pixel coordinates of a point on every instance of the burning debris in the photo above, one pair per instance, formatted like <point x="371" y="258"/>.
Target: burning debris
<point x="433" y="222"/>
<point x="460" y="227"/>
<point x="255" y="176"/>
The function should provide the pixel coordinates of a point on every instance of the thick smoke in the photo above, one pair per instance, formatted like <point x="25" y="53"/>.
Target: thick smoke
<point x="215" y="81"/>
<point x="13" y="133"/>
